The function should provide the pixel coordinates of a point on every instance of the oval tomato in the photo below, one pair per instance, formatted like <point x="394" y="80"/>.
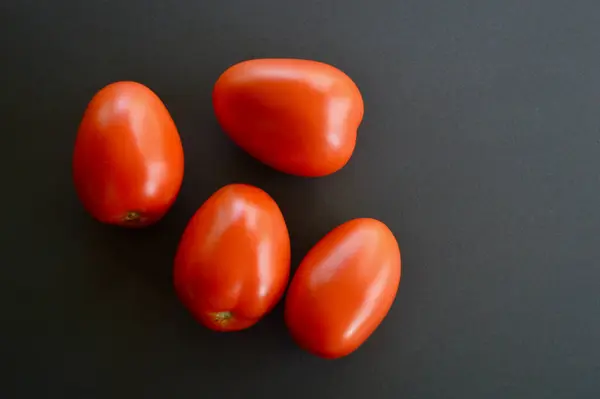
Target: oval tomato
<point x="343" y="288"/>
<point x="128" y="157"/>
<point x="297" y="116"/>
<point x="233" y="260"/>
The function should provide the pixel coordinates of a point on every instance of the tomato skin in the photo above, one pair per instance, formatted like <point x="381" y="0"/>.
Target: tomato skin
<point x="233" y="261"/>
<point x="297" y="116"/>
<point x="128" y="158"/>
<point x="343" y="288"/>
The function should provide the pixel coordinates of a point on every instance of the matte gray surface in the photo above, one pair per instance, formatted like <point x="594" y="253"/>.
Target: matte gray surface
<point x="480" y="148"/>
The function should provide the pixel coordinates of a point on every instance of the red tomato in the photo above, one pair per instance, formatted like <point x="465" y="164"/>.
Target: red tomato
<point x="128" y="157"/>
<point x="233" y="261"/>
<point x="343" y="288"/>
<point x="297" y="116"/>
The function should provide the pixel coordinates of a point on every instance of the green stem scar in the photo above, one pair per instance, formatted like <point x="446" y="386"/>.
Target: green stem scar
<point x="222" y="317"/>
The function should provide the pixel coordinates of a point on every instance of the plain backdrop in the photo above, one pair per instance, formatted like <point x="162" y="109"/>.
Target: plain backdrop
<point x="480" y="148"/>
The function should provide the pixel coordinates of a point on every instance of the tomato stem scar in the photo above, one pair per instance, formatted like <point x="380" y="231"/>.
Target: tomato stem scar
<point x="132" y="216"/>
<point x="222" y="317"/>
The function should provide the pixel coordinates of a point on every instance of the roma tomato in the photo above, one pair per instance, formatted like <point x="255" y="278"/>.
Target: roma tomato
<point x="297" y="116"/>
<point x="343" y="288"/>
<point x="233" y="260"/>
<point x="128" y="157"/>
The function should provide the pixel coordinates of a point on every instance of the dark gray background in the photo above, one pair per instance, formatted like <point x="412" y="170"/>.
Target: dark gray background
<point x="480" y="148"/>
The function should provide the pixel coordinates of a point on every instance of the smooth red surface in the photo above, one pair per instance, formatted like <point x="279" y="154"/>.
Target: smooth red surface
<point x="298" y="116"/>
<point x="344" y="288"/>
<point x="128" y="158"/>
<point x="234" y="256"/>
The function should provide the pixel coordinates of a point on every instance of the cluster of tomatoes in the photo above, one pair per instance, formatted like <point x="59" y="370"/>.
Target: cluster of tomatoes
<point x="233" y="261"/>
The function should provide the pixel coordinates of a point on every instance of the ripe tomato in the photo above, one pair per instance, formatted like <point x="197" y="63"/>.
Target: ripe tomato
<point x="128" y="157"/>
<point x="233" y="260"/>
<point x="343" y="288"/>
<point x="297" y="116"/>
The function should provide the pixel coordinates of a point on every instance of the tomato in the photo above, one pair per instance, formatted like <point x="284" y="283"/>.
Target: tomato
<point x="128" y="157"/>
<point x="233" y="261"/>
<point x="343" y="288"/>
<point x="297" y="116"/>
